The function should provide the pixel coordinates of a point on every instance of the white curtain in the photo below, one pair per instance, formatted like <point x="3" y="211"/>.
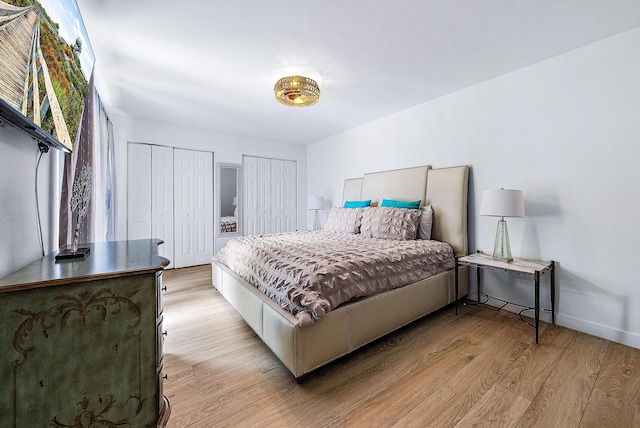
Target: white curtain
<point x="104" y="184"/>
<point x="93" y="147"/>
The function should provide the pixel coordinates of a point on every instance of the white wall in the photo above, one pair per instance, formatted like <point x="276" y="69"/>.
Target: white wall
<point x="19" y="241"/>
<point x="566" y="131"/>
<point x="227" y="149"/>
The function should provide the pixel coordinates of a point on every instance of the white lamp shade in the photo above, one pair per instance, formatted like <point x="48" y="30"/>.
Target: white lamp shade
<point x="502" y="203"/>
<point x="315" y="203"/>
<point x="235" y="201"/>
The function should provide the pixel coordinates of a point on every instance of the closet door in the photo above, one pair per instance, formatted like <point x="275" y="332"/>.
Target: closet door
<point x="162" y="199"/>
<point x="139" y="191"/>
<point x="277" y="196"/>
<point x="256" y="191"/>
<point x="193" y="207"/>
<point x="283" y="196"/>
<point x="249" y="195"/>
<point x="290" y="196"/>
<point x="269" y="195"/>
<point x="203" y="207"/>
<point x="263" y="203"/>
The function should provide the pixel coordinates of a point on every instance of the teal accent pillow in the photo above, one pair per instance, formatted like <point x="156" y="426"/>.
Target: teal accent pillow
<point x="357" y="204"/>
<point x="401" y="204"/>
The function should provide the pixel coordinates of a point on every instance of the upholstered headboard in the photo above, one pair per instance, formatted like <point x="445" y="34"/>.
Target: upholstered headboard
<point x="351" y="190"/>
<point x="447" y="193"/>
<point x="407" y="184"/>
<point x="445" y="189"/>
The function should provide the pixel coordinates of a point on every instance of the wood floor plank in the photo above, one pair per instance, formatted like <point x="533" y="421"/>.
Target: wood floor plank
<point x="448" y="404"/>
<point x="350" y="387"/>
<point x="478" y="368"/>
<point x="363" y="373"/>
<point x="604" y="411"/>
<point x="225" y="397"/>
<point x="498" y="408"/>
<point x="620" y="376"/>
<point x="529" y="372"/>
<point x="563" y="397"/>
<point x="421" y="377"/>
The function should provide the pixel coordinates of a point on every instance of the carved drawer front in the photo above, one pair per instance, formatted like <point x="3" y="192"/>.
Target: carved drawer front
<point x="81" y="340"/>
<point x="74" y="350"/>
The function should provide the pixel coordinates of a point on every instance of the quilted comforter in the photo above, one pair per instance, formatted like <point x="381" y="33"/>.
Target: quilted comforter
<point x="309" y="273"/>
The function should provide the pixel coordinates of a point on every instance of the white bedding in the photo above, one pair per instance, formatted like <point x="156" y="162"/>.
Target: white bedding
<point x="309" y="273"/>
<point x="228" y="224"/>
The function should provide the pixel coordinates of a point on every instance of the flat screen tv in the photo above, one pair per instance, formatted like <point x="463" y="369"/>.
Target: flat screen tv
<point x="45" y="65"/>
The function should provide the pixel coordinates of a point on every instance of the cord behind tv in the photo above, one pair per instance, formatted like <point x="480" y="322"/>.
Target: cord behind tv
<point x="42" y="149"/>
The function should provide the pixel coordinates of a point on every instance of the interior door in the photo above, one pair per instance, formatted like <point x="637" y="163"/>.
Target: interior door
<point x="263" y="202"/>
<point x="162" y="199"/>
<point x="193" y="207"/>
<point x="184" y="196"/>
<point x="203" y="207"/>
<point x="277" y="196"/>
<point x="249" y="195"/>
<point x="290" y="196"/>
<point x="139" y="191"/>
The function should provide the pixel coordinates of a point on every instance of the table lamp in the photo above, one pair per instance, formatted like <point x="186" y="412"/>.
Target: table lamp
<point x="502" y="203"/>
<point x="316" y="203"/>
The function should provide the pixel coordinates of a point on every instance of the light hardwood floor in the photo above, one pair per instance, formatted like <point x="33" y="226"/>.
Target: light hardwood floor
<point x="480" y="368"/>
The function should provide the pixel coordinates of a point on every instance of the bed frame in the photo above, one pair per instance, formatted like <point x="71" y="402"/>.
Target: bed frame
<point x="354" y="324"/>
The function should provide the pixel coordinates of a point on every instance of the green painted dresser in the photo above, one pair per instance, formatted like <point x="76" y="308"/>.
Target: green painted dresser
<point x="81" y="340"/>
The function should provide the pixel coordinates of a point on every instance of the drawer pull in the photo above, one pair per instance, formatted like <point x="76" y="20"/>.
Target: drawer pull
<point x="164" y="333"/>
<point x="165" y="377"/>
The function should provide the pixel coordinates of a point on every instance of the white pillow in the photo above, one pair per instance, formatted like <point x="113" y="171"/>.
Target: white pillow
<point x="426" y="222"/>
<point x="344" y="220"/>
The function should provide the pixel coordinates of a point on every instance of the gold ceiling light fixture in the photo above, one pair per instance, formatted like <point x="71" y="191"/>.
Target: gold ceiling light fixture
<point x="297" y="91"/>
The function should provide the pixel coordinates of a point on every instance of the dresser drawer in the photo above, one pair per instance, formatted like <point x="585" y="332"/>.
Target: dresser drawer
<point x="160" y="342"/>
<point x="160" y="388"/>
<point x="159" y="292"/>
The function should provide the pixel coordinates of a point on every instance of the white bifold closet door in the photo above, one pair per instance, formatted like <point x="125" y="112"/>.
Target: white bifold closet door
<point x="139" y="191"/>
<point x="162" y="199"/>
<point x="263" y="195"/>
<point x="283" y="196"/>
<point x="290" y="195"/>
<point x="249" y="195"/>
<point x="193" y="207"/>
<point x="269" y="195"/>
<point x="150" y="195"/>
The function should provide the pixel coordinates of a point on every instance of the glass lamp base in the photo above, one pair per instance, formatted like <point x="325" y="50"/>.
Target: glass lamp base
<point x="501" y="247"/>
<point x="316" y="221"/>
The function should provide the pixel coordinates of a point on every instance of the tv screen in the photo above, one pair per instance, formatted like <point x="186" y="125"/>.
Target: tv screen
<point x="45" y="65"/>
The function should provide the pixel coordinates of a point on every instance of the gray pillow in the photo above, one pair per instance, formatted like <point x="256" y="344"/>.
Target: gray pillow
<point x="426" y="222"/>
<point x="344" y="220"/>
<point x="399" y="224"/>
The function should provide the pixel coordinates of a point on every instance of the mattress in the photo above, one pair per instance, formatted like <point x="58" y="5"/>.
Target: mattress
<point x="309" y="273"/>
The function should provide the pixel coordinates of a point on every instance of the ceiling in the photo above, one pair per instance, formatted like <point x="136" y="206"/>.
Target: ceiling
<point x="213" y="64"/>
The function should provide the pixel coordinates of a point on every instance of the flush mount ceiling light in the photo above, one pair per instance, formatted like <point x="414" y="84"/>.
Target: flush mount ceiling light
<point x="297" y="91"/>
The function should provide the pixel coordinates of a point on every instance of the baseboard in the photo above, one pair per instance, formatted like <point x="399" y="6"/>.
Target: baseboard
<point x="594" y="329"/>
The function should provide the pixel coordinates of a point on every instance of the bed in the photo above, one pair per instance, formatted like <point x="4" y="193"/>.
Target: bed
<point x="303" y="346"/>
<point x="228" y="224"/>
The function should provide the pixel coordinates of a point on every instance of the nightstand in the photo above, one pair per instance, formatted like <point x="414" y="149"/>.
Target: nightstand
<point x="530" y="268"/>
